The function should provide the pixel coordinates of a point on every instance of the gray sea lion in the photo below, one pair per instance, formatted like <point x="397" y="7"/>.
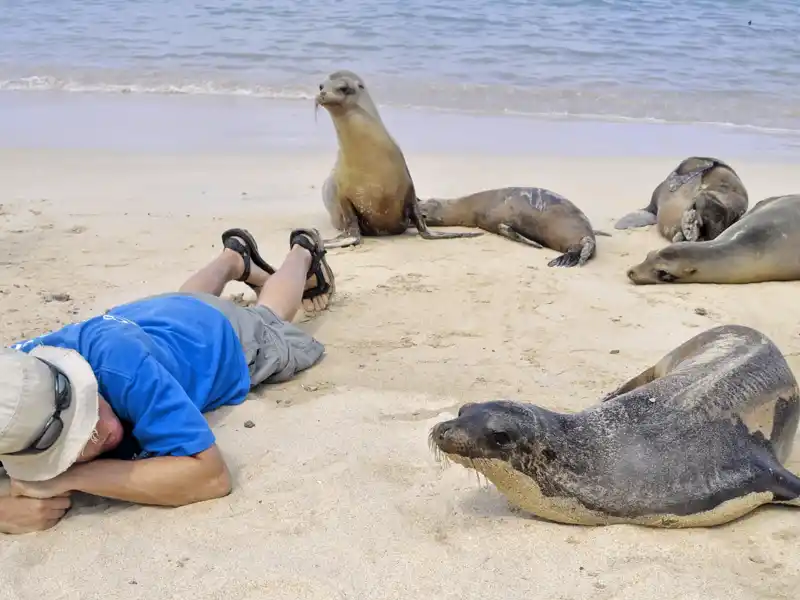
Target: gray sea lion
<point x="533" y="216"/>
<point x="697" y="201"/>
<point x="369" y="192"/>
<point x="696" y="440"/>
<point x="764" y="245"/>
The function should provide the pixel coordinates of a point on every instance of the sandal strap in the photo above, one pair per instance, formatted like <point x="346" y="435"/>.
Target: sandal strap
<point x="305" y="239"/>
<point x="234" y="244"/>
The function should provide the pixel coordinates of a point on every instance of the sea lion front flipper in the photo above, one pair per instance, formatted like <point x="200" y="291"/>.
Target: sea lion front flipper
<point x="416" y="218"/>
<point x="351" y="236"/>
<point x="635" y="219"/>
<point x="786" y="487"/>
<point x="509" y="232"/>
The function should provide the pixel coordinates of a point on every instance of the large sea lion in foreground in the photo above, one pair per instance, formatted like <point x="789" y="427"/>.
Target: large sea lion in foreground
<point x="533" y="216"/>
<point x="764" y="245"/>
<point x="369" y="192"/>
<point x="696" y="440"/>
<point x="697" y="201"/>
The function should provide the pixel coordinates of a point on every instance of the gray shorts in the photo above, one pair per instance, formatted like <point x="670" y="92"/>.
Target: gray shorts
<point x="275" y="349"/>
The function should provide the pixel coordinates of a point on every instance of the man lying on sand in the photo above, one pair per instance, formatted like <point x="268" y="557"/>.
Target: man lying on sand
<point x="77" y="404"/>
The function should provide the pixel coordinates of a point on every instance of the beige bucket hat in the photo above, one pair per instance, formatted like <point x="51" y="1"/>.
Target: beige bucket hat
<point x="29" y="392"/>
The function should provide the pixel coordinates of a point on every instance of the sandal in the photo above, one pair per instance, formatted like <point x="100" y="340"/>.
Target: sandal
<point x="311" y="240"/>
<point x="247" y="250"/>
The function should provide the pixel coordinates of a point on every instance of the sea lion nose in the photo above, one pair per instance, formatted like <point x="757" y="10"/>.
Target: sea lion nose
<point x="630" y="274"/>
<point x="440" y="431"/>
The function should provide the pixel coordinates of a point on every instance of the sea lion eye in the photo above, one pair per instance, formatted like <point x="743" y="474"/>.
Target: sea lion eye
<point x="500" y="438"/>
<point x="666" y="276"/>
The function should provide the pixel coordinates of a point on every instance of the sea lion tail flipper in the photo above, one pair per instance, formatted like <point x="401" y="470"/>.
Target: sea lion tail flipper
<point x="637" y="218"/>
<point x="691" y="225"/>
<point x="577" y="255"/>
<point x="510" y="233"/>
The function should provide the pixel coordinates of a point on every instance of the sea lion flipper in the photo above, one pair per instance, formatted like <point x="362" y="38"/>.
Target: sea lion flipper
<point x="351" y="236"/>
<point x="635" y="219"/>
<point x="786" y="486"/>
<point x="509" y="232"/>
<point x="601" y="232"/>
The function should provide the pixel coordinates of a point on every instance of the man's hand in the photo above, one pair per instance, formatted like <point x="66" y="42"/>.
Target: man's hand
<point x="37" y="489"/>
<point x="19" y="514"/>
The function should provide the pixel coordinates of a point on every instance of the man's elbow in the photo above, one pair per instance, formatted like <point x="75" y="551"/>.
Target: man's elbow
<point x="215" y="482"/>
<point x="220" y="484"/>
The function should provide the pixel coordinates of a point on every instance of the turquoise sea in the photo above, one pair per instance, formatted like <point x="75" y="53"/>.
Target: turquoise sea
<point x="731" y="63"/>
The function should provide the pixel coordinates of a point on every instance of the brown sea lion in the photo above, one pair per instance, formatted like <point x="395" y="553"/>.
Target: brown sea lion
<point x="699" y="200"/>
<point x="696" y="440"/>
<point x="764" y="245"/>
<point x="534" y="216"/>
<point x="369" y="192"/>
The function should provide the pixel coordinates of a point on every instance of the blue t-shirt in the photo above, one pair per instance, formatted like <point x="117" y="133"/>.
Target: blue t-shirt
<point x="160" y="363"/>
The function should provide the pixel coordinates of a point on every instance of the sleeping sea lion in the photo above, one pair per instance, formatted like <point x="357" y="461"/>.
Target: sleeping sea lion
<point x="533" y="216"/>
<point x="696" y="440"/>
<point x="764" y="245"/>
<point x="697" y="201"/>
<point x="369" y="192"/>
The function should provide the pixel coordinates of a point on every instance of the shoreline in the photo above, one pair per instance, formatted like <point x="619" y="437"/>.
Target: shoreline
<point x="243" y="125"/>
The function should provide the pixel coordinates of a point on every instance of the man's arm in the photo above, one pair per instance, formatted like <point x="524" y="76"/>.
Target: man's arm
<point x="161" y="480"/>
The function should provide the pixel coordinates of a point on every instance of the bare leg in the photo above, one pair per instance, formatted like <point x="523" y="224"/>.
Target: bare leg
<point x="283" y="292"/>
<point x="227" y="267"/>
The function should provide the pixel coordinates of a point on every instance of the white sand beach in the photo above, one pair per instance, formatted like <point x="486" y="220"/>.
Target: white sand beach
<point x="336" y="494"/>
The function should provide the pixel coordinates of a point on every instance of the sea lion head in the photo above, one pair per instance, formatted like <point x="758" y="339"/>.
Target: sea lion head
<point x="670" y="264"/>
<point x="487" y="430"/>
<point x="432" y="212"/>
<point x="340" y="90"/>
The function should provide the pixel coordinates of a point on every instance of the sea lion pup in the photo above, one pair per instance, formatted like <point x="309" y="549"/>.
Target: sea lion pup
<point x="369" y="192"/>
<point x="533" y="216"/>
<point x="699" y="200"/>
<point x="764" y="245"/>
<point x="696" y="440"/>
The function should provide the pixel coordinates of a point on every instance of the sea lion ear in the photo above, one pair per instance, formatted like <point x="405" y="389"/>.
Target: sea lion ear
<point x="690" y="271"/>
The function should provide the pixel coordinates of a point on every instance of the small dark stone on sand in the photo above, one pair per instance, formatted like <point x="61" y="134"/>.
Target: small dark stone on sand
<point x="249" y="424"/>
<point x="133" y="582"/>
<point x="614" y="352"/>
<point x="57" y="297"/>
<point x="700" y="311"/>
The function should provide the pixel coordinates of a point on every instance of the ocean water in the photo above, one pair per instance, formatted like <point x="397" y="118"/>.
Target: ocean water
<point x="729" y="62"/>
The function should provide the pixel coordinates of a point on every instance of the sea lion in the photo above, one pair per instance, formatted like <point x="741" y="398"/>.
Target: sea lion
<point x="696" y="440"/>
<point x="533" y="216"/>
<point x="369" y="192"/>
<point x="699" y="200"/>
<point x="764" y="245"/>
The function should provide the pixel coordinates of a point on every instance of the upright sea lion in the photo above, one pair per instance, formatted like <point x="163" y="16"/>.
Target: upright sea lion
<point x="697" y="201"/>
<point x="696" y="440"/>
<point x="764" y="245"/>
<point x="369" y="191"/>
<point x="533" y="216"/>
